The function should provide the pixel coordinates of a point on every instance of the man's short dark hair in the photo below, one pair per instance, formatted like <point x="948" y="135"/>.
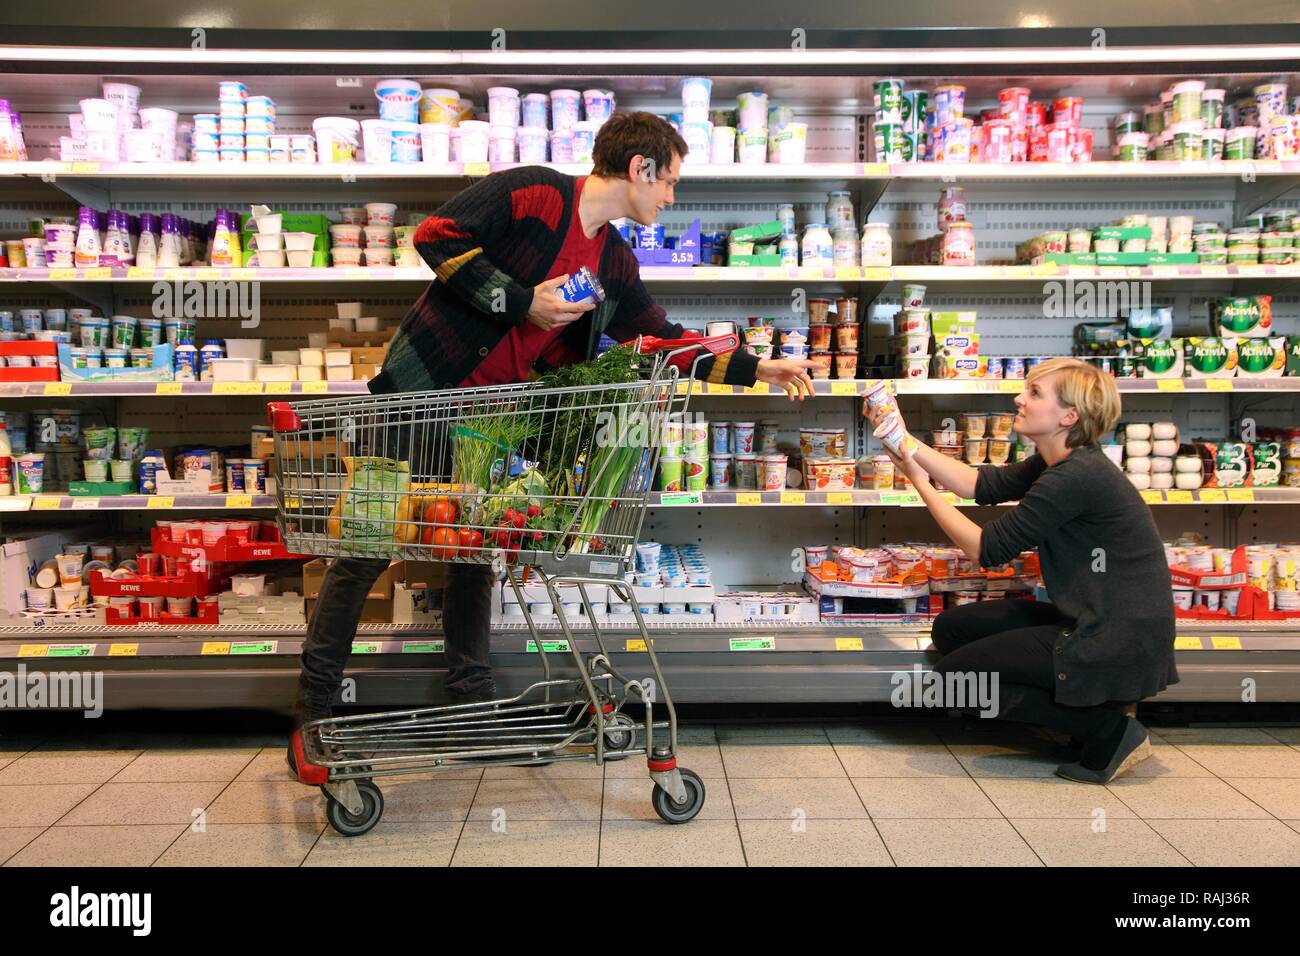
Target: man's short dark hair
<point x="625" y="135"/>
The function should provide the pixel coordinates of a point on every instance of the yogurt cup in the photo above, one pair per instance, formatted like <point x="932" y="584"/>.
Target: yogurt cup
<point x="531" y="144"/>
<point x="405" y="142"/>
<point x="474" y="137"/>
<point x="501" y="144"/>
<point x="399" y="100"/>
<point x="377" y="140"/>
<point x="503" y="106"/>
<point x="670" y="473"/>
<point x="565" y="108"/>
<point x="345" y="235"/>
<point x="772" y="472"/>
<point x="846" y="365"/>
<point x="916" y="366"/>
<point x="29" y="473"/>
<point x="337" y="138"/>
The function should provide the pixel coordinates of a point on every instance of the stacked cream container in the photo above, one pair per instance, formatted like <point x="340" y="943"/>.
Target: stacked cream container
<point x="1151" y="459"/>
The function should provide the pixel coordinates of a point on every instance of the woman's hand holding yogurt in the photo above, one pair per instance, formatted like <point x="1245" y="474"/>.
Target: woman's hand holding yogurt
<point x="550" y="310"/>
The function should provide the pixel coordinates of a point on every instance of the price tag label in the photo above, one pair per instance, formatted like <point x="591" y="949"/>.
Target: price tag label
<point x="1222" y="643"/>
<point x="1241" y="495"/>
<point x="1153" y="497"/>
<point x="237" y="388"/>
<point x="714" y="389"/>
<point x="170" y="274"/>
<point x="239" y="501"/>
<point x="876" y="170"/>
<point x="63" y="275"/>
<point x="71" y="650"/>
<point x="752" y="643"/>
<point x="1212" y="495"/>
<point x="85" y="504"/>
<point x="839" y="497"/>
<point x="58" y="388"/>
<point x="136" y="272"/>
<point x="550" y="647"/>
<point x="368" y="647"/>
<point x="423" y="647"/>
<point x="162" y="501"/>
<point x="848" y="643"/>
<point x="477" y="169"/>
<point x="748" y="498"/>
<point x="1187" y="643"/>
<point x="167" y="388"/>
<point x="1218" y="385"/>
<point x="207" y="274"/>
<point x="1012" y="385"/>
<point x="1178" y="497"/>
<point x="847" y="274"/>
<point x="759" y="388"/>
<point x="48" y="503"/>
<point x="85" y="169"/>
<point x="697" y="388"/>
<point x="215" y="648"/>
<point x="279" y="388"/>
<point x="244" y="274"/>
<point x="315" y="387"/>
<point x="1213" y="270"/>
<point x="671" y="499"/>
<point x="1164" y="272"/>
<point x="99" y="272"/>
<point x="123" y="650"/>
<point x="253" y="647"/>
<point x="878" y="274"/>
<point x="33" y="650"/>
<point x="793" y="498"/>
<point x="844" y="388"/>
<point x="1046" y="269"/>
<point x="635" y="647"/>
<point x="1170" y="385"/>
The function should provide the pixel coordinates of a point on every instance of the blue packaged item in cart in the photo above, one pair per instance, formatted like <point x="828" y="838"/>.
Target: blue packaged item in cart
<point x="650" y="237"/>
<point x="583" y="286"/>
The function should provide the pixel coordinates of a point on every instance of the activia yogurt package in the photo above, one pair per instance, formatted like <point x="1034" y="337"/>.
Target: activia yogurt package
<point x="1246" y="316"/>
<point x="1210" y="357"/>
<point x="1262" y="358"/>
<point x="1266" y="464"/>
<point x="1159" y="358"/>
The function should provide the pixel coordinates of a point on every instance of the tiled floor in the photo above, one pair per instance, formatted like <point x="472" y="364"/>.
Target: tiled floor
<point x="848" y="793"/>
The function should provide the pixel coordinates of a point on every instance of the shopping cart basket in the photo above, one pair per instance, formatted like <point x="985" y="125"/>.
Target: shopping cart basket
<point x="549" y="486"/>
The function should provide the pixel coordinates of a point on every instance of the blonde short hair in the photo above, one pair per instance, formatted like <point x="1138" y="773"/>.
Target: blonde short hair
<point x="1088" y="390"/>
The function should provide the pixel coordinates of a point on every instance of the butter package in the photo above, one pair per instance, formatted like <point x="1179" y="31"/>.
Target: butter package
<point x="955" y="345"/>
<point x="1262" y="358"/>
<point x="961" y="366"/>
<point x="1159" y="358"/>
<point x="1243" y="316"/>
<point x="1210" y="357"/>
<point x="952" y="323"/>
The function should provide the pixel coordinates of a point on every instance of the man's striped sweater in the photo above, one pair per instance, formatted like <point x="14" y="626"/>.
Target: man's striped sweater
<point x="488" y="247"/>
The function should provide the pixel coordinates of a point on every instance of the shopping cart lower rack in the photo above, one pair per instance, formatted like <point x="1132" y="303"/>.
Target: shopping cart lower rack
<point x="549" y="486"/>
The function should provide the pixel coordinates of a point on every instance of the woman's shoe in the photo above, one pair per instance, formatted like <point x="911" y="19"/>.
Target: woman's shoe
<point x="1134" y="747"/>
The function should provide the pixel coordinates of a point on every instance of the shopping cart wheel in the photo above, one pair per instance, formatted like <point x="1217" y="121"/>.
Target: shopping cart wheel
<point x="350" y="825"/>
<point x="620" y="731"/>
<point x="673" y="812"/>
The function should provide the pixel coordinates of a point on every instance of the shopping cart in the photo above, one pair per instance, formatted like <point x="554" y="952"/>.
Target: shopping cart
<point x="547" y="485"/>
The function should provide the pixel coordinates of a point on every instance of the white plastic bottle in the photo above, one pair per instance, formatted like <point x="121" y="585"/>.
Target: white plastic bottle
<point x="6" y="463"/>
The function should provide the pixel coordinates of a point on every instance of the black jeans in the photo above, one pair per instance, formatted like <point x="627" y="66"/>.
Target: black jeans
<point x="1014" y="639"/>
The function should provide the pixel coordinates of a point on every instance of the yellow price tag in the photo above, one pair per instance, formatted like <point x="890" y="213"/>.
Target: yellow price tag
<point x="213" y="648"/>
<point x="62" y="275"/>
<point x="1153" y="497"/>
<point x="1187" y="643"/>
<point x="1212" y="495"/>
<point x="237" y="388"/>
<point x="878" y="274"/>
<point x="239" y="501"/>
<point x="1225" y="643"/>
<point x="316" y="387"/>
<point x="1164" y="272"/>
<point x="758" y="388"/>
<point x="844" y="388"/>
<point x="47" y="503"/>
<point x="1213" y="270"/>
<point x="85" y="169"/>
<point x="170" y="274"/>
<point x="875" y="169"/>
<point x="635" y="647"/>
<point x="137" y="272"/>
<point x="697" y="388"/>
<point x="848" y="643"/>
<point x="162" y="501"/>
<point x="714" y="389"/>
<point x="243" y="273"/>
<point x="1241" y="495"/>
<point x="839" y="497"/>
<point x="1178" y="497"/>
<point x="1170" y="385"/>
<point x="477" y="169"/>
<point x="279" y="388"/>
<point x="207" y="274"/>
<point x="359" y="273"/>
<point x="793" y="498"/>
<point x="33" y="650"/>
<point x="58" y="388"/>
<point x="748" y="498"/>
<point x="99" y="272"/>
<point x="847" y="273"/>
<point x="1218" y="385"/>
<point x="1046" y="269"/>
<point x="123" y="650"/>
<point x="1013" y="385"/>
<point x="167" y="388"/>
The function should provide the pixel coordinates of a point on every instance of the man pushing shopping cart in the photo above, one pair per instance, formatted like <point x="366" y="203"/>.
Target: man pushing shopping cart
<point x="502" y="252"/>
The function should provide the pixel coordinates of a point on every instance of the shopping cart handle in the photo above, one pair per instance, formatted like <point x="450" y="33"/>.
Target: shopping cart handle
<point x="282" y="417"/>
<point x="717" y="344"/>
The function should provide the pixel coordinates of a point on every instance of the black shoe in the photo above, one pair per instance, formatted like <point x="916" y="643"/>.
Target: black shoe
<point x="482" y="694"/>
<point x="1134" y="747"/>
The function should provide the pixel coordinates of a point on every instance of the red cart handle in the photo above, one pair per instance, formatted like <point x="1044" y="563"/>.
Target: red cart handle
<point x="282" y="417"/>
<point x="717" y="344"/>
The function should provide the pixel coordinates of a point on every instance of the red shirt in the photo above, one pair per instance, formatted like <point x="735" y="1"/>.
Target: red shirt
<point x="513" y="358"/>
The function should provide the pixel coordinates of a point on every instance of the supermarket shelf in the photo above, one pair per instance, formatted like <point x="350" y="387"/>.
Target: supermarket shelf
<point x="908" y="499"/>
<point x="945" y="172"/>
<point x="849" y="388"/>
<point x="669" y="275"/>
<point x="184" y="389"/>
<point x="218" y="502"/>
